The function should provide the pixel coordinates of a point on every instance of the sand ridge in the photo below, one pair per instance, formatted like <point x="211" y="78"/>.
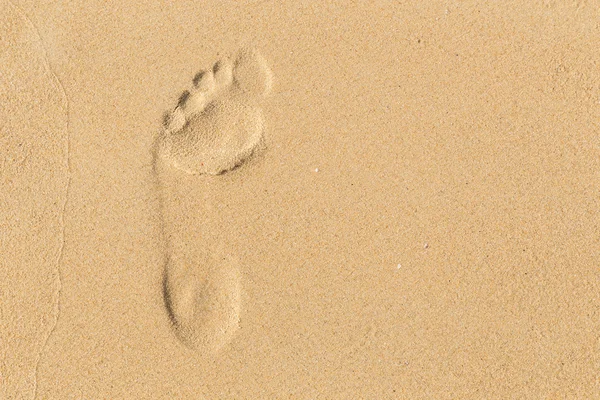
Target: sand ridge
<point x="34" y="179"/>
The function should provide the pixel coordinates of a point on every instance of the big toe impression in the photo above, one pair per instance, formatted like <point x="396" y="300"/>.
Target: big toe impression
<point x="252" y="73"/>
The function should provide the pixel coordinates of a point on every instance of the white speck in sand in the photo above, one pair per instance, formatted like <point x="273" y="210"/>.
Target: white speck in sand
<point x="399" y="266"/>
<point x="316" y="169"/>
<point x="426" y="246"/>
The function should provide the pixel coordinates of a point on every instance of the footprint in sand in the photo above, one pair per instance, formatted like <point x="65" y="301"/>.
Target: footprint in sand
<point x="218" y="123"/>
<point x="216" y="126"/>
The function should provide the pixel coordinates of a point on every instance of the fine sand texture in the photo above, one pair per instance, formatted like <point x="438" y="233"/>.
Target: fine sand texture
<point x="33" y="189"/>
<point x="299" y="200"/>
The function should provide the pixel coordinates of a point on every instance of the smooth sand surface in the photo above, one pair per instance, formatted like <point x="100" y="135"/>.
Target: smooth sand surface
<point x="422" y="223"/>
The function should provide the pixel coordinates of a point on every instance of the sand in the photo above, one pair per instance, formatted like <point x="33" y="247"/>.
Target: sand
<point x="421" y="221"/>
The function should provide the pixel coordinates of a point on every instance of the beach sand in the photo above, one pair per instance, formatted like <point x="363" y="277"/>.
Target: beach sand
<point x="421" y="221"/>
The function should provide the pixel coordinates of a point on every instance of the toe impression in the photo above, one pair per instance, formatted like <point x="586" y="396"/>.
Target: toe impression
<point x="252" y="73"/>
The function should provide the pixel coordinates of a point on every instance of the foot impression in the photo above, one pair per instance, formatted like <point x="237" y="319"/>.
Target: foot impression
<point x="215" y="127"/>
<point x="218" y="123"/>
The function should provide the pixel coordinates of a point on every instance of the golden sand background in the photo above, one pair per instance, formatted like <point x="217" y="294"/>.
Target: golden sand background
<point x="447" y="248"/>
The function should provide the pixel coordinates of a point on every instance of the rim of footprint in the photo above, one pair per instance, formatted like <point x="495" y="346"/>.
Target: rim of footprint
<point x="218" y="123"/>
